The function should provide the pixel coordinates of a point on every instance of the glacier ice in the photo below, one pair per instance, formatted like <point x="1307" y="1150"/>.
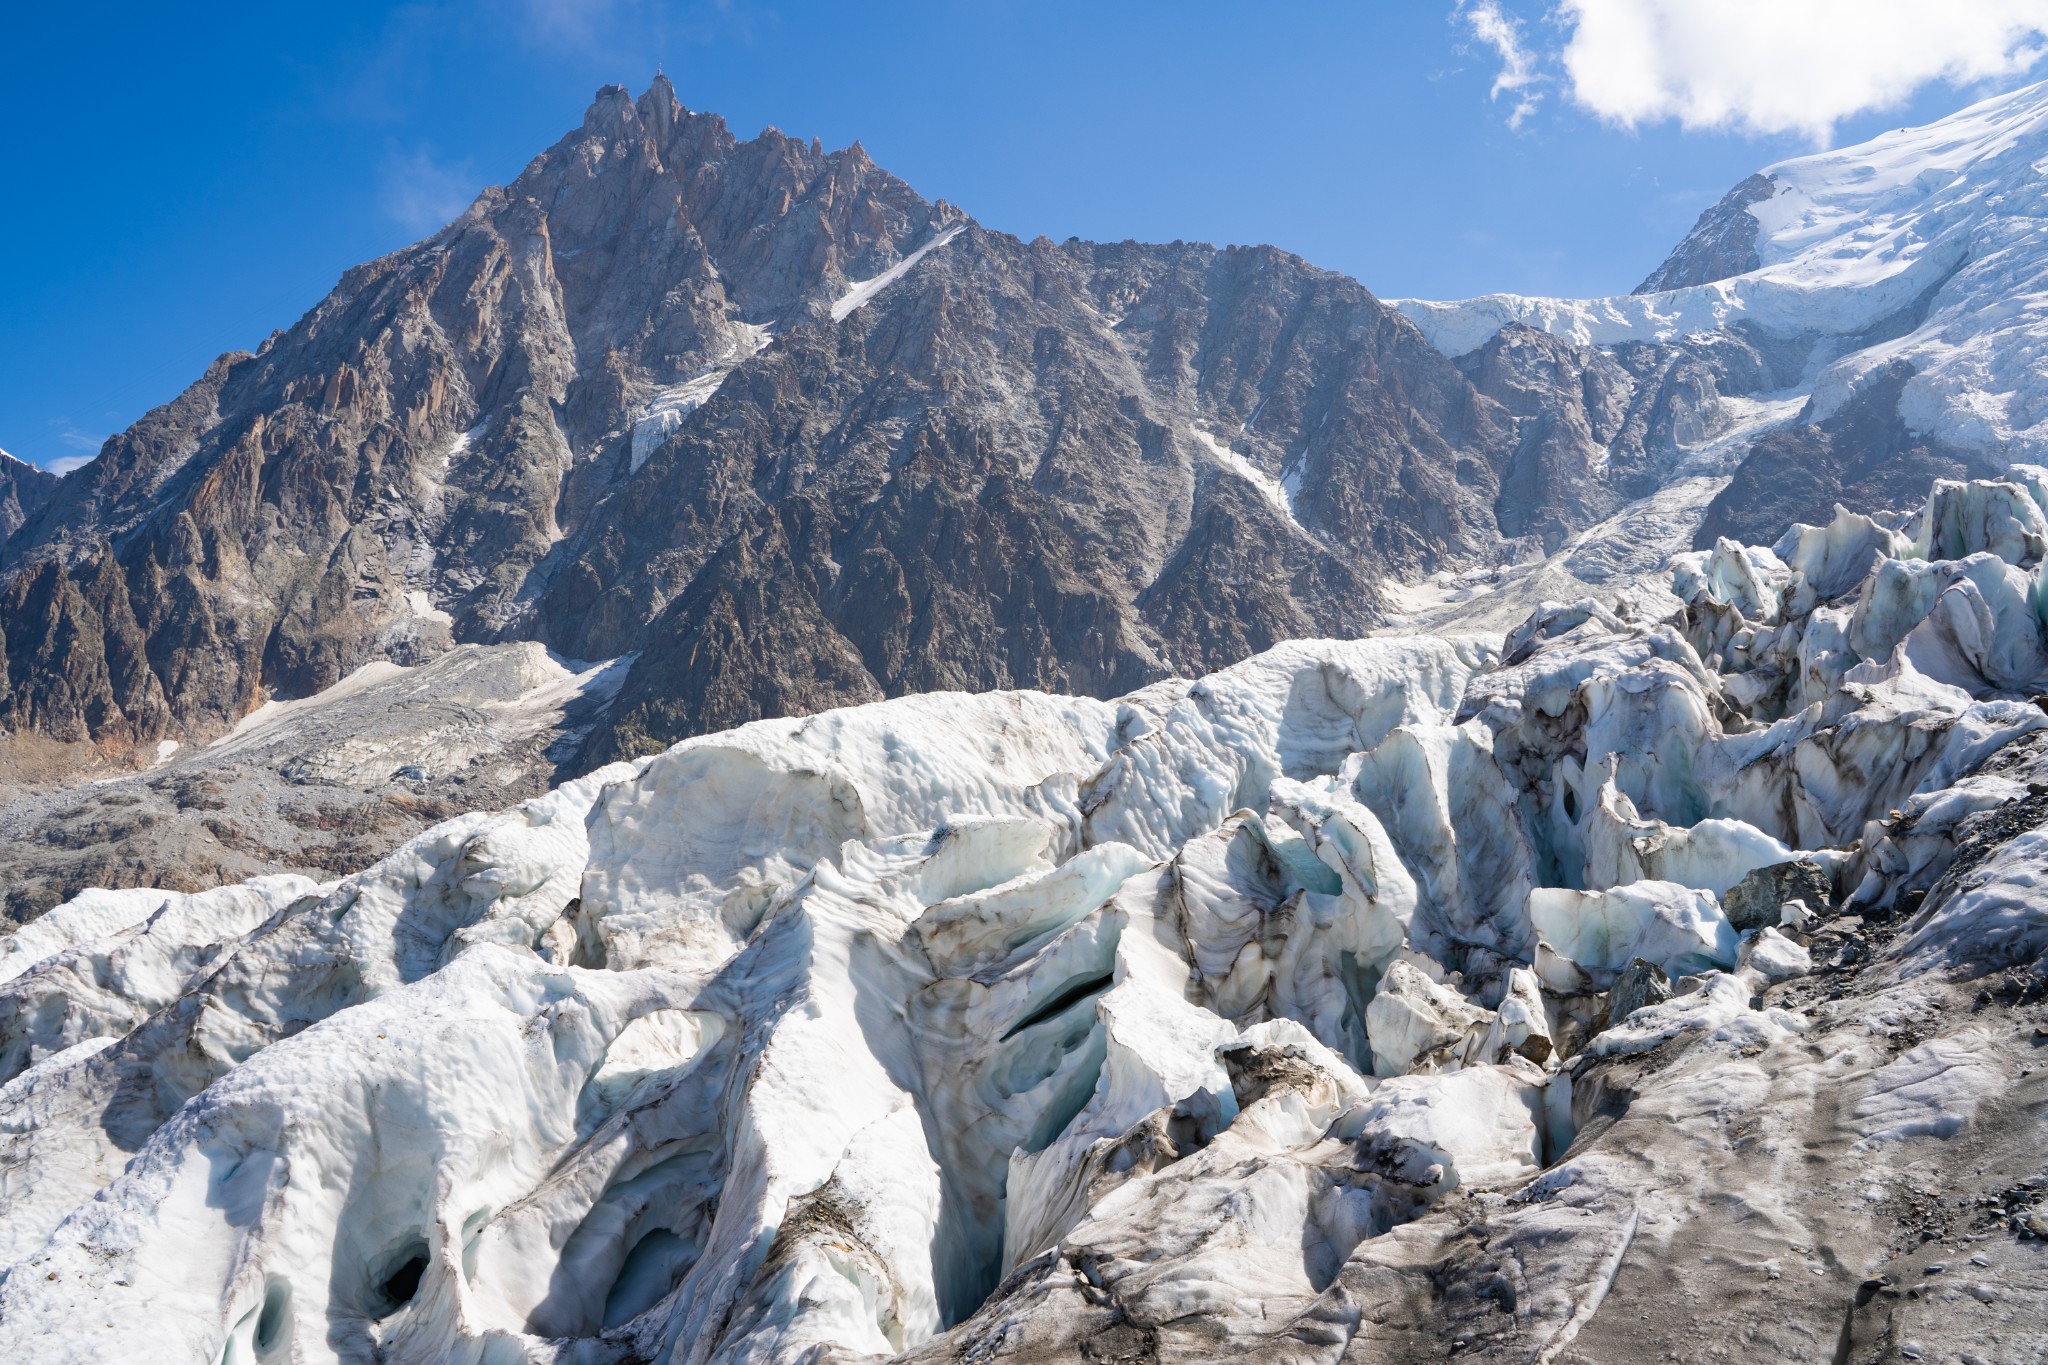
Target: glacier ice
<point x="1922" y="245"/>
<point x="927" y="1025"/>
<point x="1774" y="957"/>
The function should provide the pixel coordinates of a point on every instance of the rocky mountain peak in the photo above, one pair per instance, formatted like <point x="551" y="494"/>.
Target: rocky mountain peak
<point x="765" y="419"/>
<point x="1721" y="244"/>
<point x="659" y="105"/>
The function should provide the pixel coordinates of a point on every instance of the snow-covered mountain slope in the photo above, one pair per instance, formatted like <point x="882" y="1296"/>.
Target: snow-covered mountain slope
<point x="1628" y="983"/>
<point x="1926" y="245"/>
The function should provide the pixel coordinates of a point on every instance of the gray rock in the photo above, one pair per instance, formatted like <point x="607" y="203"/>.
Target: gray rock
<point x="323" y="787"/>
<point x="1721" y="244"/>
<point x="1757" y="901"/>
<point x="1593" y="429"/>
<point x="24" y="490"/>
<point x="1864" y="457"/>
<point x="1640" y="983"/>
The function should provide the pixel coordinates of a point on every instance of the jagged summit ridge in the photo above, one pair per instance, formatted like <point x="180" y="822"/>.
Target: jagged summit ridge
<point x="419" y="432"/>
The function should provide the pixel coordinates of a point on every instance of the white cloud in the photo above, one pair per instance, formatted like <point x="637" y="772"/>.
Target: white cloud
<point x="84" y="442"/>
<point x="1502" y="32"/>
<point x="1784" y="66"/>
<point x="421" y="193"/>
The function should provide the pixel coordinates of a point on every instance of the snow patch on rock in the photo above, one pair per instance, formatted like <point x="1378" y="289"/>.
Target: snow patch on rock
<point x="1276" y="492"/>
<point x="860" y="292"/>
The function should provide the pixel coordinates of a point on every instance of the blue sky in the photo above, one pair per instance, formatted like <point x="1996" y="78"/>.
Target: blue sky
<point x="183" y="180"/>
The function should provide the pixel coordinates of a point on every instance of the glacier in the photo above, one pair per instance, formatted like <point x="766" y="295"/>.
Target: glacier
<point x="1366" y="995"/>
<point x="1923" y="245"/>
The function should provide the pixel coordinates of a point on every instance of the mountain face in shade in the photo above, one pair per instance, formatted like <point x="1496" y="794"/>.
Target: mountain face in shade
<point x="792" y="436"/>
<point x="1721" y="244"/>
<point x="23" y="491"/>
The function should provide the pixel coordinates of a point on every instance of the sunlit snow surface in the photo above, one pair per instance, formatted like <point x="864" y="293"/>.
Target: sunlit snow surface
<point x="792" y="1042"/>
<point x="1952" y="217"/>
<point x="1277" y="493"/>
<point x="669" y="407"/>
<point x="860" y="291"/>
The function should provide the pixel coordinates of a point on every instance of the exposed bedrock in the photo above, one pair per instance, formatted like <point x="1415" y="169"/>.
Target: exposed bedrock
<point x="1864" y="456"/>
<point x="1365" y="1000"/>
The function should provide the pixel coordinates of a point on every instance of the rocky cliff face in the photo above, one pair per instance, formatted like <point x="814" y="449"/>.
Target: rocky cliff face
<point x="23" y="491"/>
<point x="794" y="437"/>
<point x="1721" y="244"/>
<point x="1077" y="467"/>
<point x="1595" y="429"/>
<point x="1864" y="456"/>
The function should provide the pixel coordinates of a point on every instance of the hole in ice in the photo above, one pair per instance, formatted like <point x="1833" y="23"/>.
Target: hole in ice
<point x="273" y="1324"/>
<point x="1064" y="999"/>
<point x="1360" y="982"/>
<point x="1073" y="1082"/>
<point x="652" y="1268"/>
<point x="472" y="1233"/>
<point x="404" y="1282"/>
<point x="400" y="1283"/>
<point x="1571" y="805"/>
<point x="656" y="1043"/>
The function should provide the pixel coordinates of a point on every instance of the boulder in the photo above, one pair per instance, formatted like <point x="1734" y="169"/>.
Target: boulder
<point x="1758" y="900"/>
<point x="1640" y="983"/>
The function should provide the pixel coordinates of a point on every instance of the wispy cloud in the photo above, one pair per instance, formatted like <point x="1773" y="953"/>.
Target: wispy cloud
<point x="1758" y="67"/>
<point x="1518" y="77"/>
<point x="422" y="193"/>
<point x="582" y="24"/>
<point x="84" y="444"/>
<point x="636" y="30"/>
